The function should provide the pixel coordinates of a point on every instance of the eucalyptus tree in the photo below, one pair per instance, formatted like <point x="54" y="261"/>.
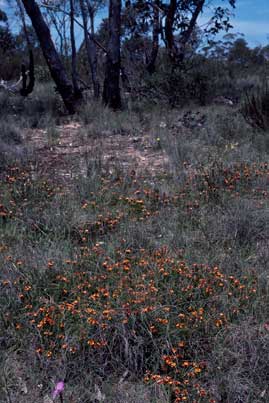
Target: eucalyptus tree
<point x="90" y="47"/>
<point x="142" y="22"/>
<point x="76" y="86"/>
<point x="181" y="18"/>
<point x="175" y="22"/>
<point x="7" y="48"/>
<point x="94" y="6"/>
<point x="6" y="37"/>
<point x="111" y="90"/>
<point x="55" y="65"/>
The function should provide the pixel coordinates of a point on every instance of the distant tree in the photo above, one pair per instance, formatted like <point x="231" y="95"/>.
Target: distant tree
<point x="93" y="7"/>
<point x="240" y="53"/>
<point x="77" y="89"/>
<point x="102" y="33"/>
<point x="6" y="37"/>
<point x="9" y="61"/>
<point x="90" y="46"/>
<point x="219" y="49"/>
<point x="141" y="20"/>
<point x="21" y="42"/>
<point x="258" y="55"/>
<point x="111" y="91"/>
<point x="173" y="21"/>
<point x="151" y="60"/>
<point x="57" y="20"/>
<point x="265" y="53"/>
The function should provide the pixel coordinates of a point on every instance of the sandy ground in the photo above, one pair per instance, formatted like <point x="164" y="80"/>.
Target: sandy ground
<point x="69" y="152"/>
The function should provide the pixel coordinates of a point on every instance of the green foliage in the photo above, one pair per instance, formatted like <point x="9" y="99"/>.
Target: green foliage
<point x="180" y="85"/>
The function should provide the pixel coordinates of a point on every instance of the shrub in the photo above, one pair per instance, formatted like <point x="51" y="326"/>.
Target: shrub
<point x="256" y="109"/>
<point x="10" y="143"/>
<point x="9" y="133"/>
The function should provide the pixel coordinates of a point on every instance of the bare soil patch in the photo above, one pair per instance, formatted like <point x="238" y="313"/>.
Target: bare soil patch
<point x="67" y="154"/>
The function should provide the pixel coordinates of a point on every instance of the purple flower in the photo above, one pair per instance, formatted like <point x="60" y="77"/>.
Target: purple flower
<point x="58" y="389"/>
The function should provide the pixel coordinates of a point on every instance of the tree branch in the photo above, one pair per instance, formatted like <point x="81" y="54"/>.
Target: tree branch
<point x="100" y="46"/>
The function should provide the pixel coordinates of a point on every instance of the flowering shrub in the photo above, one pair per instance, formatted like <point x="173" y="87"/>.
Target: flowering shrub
<point x="114" y="306"/>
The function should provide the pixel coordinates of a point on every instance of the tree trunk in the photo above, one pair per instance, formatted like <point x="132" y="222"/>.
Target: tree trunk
<point x="187" y="34"/>
<point x="91" y="50"/>
<point x="58" y="30"/>
<point x="74" y="52"/>
<point x="91" y="15"/>
<point x="177" y="53"/>
<point x="54" y="63"/>
<point x="169" y="28"/>
<point x="111" y="92"/>
<point x="22" y="15"/>
<point x="155" y="38"/>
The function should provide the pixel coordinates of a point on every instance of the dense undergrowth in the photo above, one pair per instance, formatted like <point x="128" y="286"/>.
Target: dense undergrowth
<point x="156" y="284"/>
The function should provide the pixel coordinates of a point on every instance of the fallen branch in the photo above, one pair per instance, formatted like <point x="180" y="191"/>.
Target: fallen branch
<point x="11" y="87"/>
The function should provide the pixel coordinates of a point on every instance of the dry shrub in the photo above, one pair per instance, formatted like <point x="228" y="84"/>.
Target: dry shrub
<point x="240" y="364"/>
<point x="256" y="109"/>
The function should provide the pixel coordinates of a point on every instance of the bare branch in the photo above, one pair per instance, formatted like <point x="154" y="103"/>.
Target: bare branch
<point x="52" y="8"/>
<point x="11" y="87"/>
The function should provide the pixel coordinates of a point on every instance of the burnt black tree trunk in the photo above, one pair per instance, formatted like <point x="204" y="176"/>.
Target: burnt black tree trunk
<point x="74" y="52"/>
<point x="111" y="92"/>
<point x="57" y="70"/>
<point x="91" y="50"/>
<point x="151" y="67"/>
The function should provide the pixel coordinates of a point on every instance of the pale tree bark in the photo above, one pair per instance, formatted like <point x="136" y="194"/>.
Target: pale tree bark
<point x="111" y="92"/>
<point x="91" y="50"/>
<point x="54" y="63"/>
